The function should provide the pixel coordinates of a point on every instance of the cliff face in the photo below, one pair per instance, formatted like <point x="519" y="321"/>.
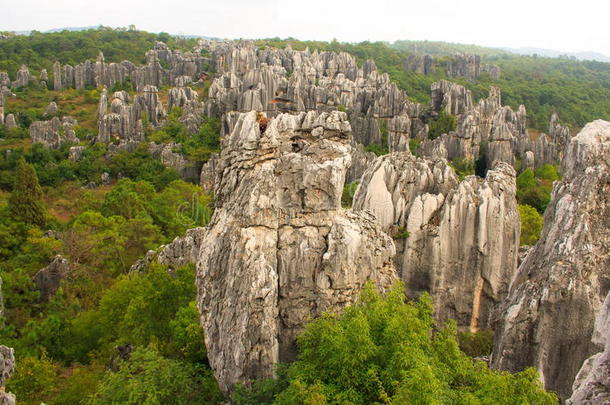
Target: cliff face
<point x="592" y="383"/>
<point x="279" y="249"/>
<point x="548" y="319"/>
<point x="458" y="241"/>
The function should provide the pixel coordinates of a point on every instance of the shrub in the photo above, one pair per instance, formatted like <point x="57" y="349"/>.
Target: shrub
<point x="531" y="224"/>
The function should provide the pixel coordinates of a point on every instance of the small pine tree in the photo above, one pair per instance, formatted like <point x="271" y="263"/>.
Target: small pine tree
<point x="25" y="202"/>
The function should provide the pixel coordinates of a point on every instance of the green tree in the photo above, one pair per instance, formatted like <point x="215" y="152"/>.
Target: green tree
<point x="25" y="202"/>
<point x="149" y="378"/>
<point x="531" y="224"/>
<point x="384" y="350"/>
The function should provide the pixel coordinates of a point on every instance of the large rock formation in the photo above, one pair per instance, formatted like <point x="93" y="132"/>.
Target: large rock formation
<point x="548" y="319"/>
<point x="457" y="241"/>
<point x="279" y="249"/>
<point x="592" y="383"/>
<point x="125" y="121"/>
<point x="422" y="64"/>
<point x="48" y="278"/>
<point x="285" y="80"/>
<point x="464" y="65"/>
<point x="53" y="133"/>
<point x="495" y="132"/>
<point x="7" y="367"/>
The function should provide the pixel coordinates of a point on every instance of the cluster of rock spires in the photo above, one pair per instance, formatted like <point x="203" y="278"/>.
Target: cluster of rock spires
<point x="100" y="73"/>
<point x="457" y="240"/>
<point x="286" y="80"/>
<point x="457" y="65"/>
<point x="548" y="319"/>
<point x="492" y="131"/>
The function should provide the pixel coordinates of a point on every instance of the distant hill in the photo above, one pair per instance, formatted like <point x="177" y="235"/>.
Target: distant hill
<point x="551" y="53"/>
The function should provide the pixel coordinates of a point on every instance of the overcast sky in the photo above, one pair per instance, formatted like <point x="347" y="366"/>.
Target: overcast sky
<point x="563" y="25"/>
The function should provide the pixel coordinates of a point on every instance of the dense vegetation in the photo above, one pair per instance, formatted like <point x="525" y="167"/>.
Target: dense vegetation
<point x="384" y="350"/>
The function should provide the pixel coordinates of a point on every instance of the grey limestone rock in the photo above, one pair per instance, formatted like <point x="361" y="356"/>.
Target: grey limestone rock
<point x="464" y="65"/>
<point x="51" y="110"/>
<point x="458" y="241"/>
<point x="548" y="319"/>
<point x="53" y="133"/>
<point x="23" y="77"/>
<point x="422" y="64"/>
<point x="75" y="153"/>
<point x="592" y="383"/>
<point x="7" y="367"/>
<point x="48" y="278"/>
<point x="279" y="248"/>
<point x="10" y="122"/>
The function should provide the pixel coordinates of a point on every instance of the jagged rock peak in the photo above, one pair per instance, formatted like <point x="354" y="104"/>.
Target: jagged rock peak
<point x="548" y="319"/>
<point x="279" y="249"/>
<point x="457" y="240"/>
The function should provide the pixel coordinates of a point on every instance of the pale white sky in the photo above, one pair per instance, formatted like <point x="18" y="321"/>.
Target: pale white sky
<point x="563" y="25"/>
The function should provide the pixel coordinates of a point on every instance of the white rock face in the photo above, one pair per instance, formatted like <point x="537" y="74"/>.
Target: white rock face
<point x="548" y="319"/>
<point x="279" y="249"/>
<point x="463" y="239"/>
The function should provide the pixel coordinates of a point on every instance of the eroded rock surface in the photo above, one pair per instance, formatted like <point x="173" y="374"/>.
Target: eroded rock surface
<point x="458" y="241"/>
<point x="7" y="367"/>
<point x="48" y="278"/>
<point x="548" y="319"/>
<point x="592" y="383"/>
<point x="54" y="133"/>
<point x="279" y="249"/>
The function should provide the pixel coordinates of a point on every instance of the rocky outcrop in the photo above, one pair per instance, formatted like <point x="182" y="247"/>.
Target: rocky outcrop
<point x="53" y="133"/>
<point x="7" y="367"/>
<point x="75" y="153"/>
<point x="422" y="64"/>
<point x="464" y="65"/>
<point x="548" y="319"/>
<point x="10" y="122"/>
<point x="284" y="80"/>
<point x="48" y="278"/>
<point x="182" y="250"/>
<point x="455" y="99"/>
<point x="23" y="77"/>
<point x="163" y="67"/>
<point x="279" y="249"/>
<point x="592" y="383"/>
<point x="51" y="110"/>
<point x="459" y="242"/>
<point x="124" y="123"/>
<point x="493" y="70"/>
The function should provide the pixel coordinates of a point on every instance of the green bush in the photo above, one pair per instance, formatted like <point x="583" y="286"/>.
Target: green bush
<point x="386" y="350"/>
<point x="348" y="194"/>
<point x="463" y="167"/>
<point x="442" y="124"/>
<point x="531" y="225"/>
<point x="149" y="378"/>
